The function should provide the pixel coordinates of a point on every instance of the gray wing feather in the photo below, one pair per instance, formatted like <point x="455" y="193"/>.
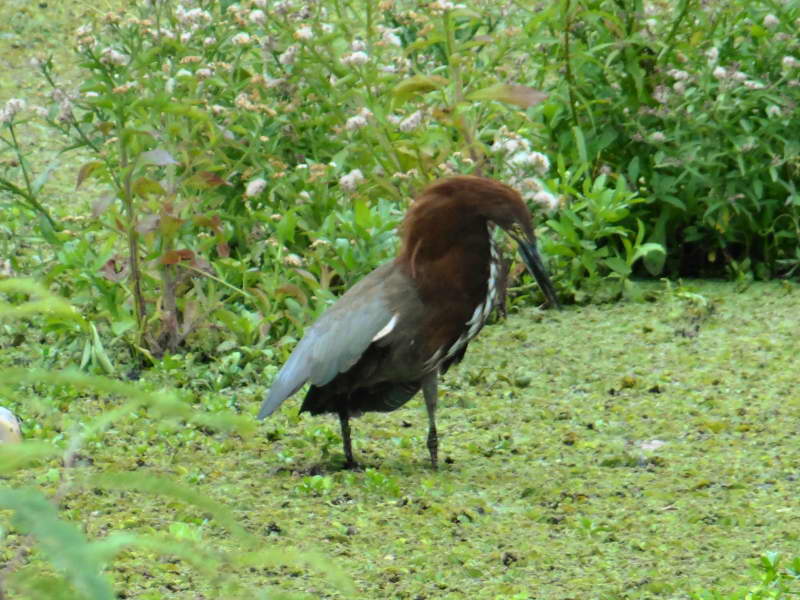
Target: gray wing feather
<point x="335" y="342"/>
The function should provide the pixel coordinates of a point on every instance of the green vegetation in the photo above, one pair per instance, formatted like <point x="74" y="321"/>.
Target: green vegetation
<point x="181" y="196"/>
<point x="649" y="454"/>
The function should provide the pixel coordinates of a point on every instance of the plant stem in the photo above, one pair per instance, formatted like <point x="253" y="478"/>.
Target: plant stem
<point x="131" y="233"/>
<point x="28" y="194"/>
<point x="567" y="61"/>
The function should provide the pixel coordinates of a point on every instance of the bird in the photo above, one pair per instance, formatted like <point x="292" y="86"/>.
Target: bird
<point x="9" y="427"/>
<point x="403" y="325"/>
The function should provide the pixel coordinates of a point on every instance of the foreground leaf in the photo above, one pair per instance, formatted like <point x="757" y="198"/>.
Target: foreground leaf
<point x="519" y="95"/>
<point x="61" y="542"/>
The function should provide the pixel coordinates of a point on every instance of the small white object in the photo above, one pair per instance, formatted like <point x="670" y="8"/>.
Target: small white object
<point x="9" y="427"/>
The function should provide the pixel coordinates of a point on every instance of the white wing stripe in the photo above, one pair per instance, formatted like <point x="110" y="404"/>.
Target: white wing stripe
<point x="387" y="329"/>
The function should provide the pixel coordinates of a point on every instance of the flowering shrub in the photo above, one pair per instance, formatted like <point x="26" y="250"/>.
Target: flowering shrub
<point x="695" y="107"/>
<point x="256" y="157"/>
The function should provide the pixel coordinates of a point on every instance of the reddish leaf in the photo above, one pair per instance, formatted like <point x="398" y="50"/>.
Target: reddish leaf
<point x="213" y="223"/>
<point x="223" y="250"/>
<point x="173" y="257"/>
<point x="115" y="271"/>
<point x="210" y="179"/>
<point x="290" y="289"/>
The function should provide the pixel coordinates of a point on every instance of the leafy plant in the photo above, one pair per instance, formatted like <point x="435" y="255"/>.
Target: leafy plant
<point x="775" y="581"/>
<point x="690" y="105"/>
<point x="594" y="247"/>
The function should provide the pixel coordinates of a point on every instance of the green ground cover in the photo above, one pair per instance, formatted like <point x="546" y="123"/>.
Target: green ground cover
<point x="637" y="450"/>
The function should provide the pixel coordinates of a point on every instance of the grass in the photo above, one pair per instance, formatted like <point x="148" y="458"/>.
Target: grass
<point x="553" y="486"/>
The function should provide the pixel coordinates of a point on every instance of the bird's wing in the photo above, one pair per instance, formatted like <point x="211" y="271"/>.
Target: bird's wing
<point x="335" y="342"/>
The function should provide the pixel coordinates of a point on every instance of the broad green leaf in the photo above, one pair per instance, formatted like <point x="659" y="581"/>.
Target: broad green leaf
<point x="100" y="352"/>
<point x="86" y="171"/>
<point x="647" y="249"/>
<point x="362" y="214"/>
<point x="633" y="170"/>
<point x="618" y="265"/>
<point x="418" y="84"/>
<point x="143" y="186"/>
<point x="580" y="142"/>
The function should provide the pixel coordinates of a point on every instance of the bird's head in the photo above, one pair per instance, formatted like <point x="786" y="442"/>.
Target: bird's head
<point x="465" y="198"/>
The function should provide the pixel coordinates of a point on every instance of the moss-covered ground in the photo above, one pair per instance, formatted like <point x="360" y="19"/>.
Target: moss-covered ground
<point x="637" y="450"/>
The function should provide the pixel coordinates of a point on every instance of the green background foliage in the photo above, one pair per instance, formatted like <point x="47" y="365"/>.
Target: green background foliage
<point x="188" y="185"/>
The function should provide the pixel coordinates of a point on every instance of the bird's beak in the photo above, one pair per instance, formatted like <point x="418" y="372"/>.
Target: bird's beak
<point x="530" y="255"/>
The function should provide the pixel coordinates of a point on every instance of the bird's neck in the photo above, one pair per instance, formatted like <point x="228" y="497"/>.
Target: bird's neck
<point x="454" y="261"/>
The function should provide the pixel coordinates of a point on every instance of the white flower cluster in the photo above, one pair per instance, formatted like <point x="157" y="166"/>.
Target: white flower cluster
<point x="303" y="33"/>
<point x="359" y="120"/>
<point x="357" y="58"/>
<point x="531" y="188"/>
<point x="85" y="38"/>
<point x="411" y="122"/>
<point x="110" y="56"/>
<point x="12" y="107"/>
<point x="255" y="187"/>
<point x="389" y="36"/>
<point x="519" y="152"/>
<point x="288" y="56"/>
<point x="722" y="74"/>
<point x="678" y="75"/>
<point x="350" y="181"/>
<point x="773" y="111"/>
<point x="65" y="114"/>
<point x="790" y="62"/>
<point x="440" y="6"/>
<point x="257" y="16"/>
<point x="6" y="268"/>
<point x="241" y="39"/>
<point x="193" y="16"/>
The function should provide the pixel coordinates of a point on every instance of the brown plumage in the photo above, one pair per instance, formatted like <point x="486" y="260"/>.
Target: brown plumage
<point x="397" y="329"/>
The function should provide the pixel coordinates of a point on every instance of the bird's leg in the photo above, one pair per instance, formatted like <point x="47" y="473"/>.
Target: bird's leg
<point x="430" y="393"/>
<point x="344" y="421"/>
